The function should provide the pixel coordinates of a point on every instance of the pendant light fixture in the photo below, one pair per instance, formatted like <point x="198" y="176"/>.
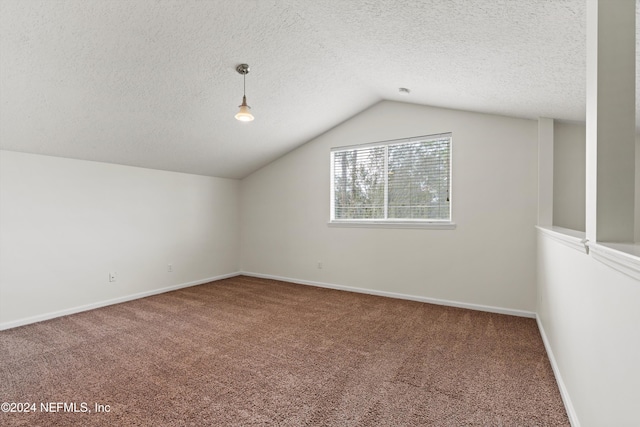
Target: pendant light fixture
<point x="244" y="115"/>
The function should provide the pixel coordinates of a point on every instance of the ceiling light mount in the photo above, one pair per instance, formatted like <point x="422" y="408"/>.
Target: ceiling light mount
<point x="243" y="69"/>
<point x="244" y="115"/>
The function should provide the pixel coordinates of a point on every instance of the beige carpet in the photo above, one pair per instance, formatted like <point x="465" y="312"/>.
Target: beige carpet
<point x="246" y="351"/>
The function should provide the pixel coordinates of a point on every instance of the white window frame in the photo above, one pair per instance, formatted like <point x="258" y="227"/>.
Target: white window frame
<point x="391" y="223"/>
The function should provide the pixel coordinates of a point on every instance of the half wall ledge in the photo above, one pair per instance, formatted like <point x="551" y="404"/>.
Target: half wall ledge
<point x="623" y="257"/>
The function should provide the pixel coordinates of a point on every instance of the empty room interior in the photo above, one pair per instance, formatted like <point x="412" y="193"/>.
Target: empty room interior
<point x="262" y="212"/>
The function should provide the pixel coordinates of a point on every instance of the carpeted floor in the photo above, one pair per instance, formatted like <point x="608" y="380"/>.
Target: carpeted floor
<point x="247" y="351"/>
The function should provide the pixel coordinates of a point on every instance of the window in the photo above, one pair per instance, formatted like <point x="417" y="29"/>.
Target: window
<point x="400" y="181"/>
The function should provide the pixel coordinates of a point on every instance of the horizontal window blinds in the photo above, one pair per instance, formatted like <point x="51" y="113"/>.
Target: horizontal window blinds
<point x="397" y="180"/>
<point x="359" y="183"/>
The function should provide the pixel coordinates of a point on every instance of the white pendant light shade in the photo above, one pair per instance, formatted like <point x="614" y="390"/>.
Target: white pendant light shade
<point x="244" y="115"/>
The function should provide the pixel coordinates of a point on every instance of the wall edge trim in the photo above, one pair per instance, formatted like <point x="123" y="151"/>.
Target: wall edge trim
<point x="564" y="393"/>
<point x="565" y="236"/>
<point x="620" y="261"/>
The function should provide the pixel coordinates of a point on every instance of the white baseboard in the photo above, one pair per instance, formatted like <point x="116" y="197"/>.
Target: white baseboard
<point x="478" y="307"/>
<point x="566" y="399"/>
<point x="78" y="309"/>
<point x="65" y="312"/>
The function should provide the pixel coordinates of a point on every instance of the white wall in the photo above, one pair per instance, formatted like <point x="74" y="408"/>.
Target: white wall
<point x="569" y="169"/>
<point x="637" y="187"/>
<point x="488" y="260"/>
<point x="569" y="179"/>
<point x="590" y="316"/>
<point x="65" y="224"/>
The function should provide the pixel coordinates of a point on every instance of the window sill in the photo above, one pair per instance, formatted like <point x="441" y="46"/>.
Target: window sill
<point x="393" y="224"/>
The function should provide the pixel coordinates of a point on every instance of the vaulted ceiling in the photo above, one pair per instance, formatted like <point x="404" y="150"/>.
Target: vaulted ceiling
<point x="152" y="83"/>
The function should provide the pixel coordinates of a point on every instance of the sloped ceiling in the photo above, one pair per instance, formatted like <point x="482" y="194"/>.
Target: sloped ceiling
<point x="152" y="83"/>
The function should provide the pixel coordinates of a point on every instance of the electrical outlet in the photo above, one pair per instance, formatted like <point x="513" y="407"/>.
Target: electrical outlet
<point x="170" y="268"/>
<point x="319" y="265"/>
<point x="112" y="276"/>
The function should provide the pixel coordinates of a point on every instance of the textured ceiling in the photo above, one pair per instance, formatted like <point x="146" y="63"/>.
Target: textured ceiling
<point x="152" y="83"/>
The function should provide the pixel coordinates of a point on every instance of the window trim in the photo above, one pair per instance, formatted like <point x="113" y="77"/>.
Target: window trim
<point x="391" y="223"/>
<point x="360" y="223"/>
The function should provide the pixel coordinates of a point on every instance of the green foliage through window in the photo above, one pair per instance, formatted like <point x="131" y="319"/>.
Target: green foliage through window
<point x="395" y="180"/>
